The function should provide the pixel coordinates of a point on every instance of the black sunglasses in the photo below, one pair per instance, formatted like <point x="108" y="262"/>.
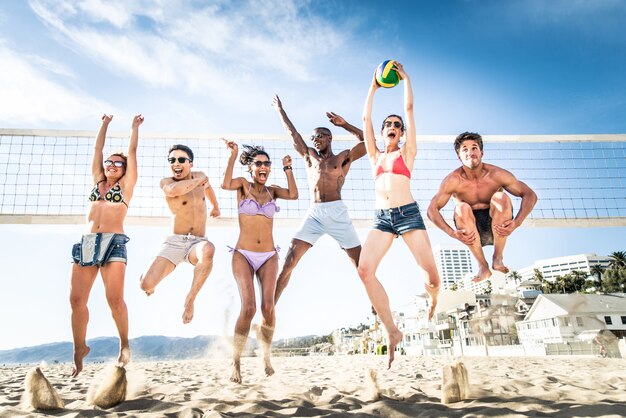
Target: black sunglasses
<point x="181" y="160"/>
<point x="109" y="163"/>
<point x="263" y="163"/>
<point x="395" y="124"/>
<point x="319" y="135"/>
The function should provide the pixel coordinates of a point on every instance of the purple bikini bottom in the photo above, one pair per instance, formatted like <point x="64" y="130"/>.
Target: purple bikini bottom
<point x="255" y="259"/>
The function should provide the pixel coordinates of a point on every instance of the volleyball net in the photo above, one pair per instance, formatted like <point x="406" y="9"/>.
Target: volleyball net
<point x="45" y="176"/>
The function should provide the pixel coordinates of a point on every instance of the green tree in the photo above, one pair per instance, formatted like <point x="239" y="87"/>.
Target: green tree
<point x="597" y="270"/>
<point x="579" y="281"/>
<point x="618" y="260"/>
<point x="614" y="280"/>
<point x="515" y="277"/>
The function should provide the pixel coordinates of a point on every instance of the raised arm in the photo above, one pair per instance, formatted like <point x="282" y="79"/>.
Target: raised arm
<point x="97" y="162"/>
<point x="409" y="149"/>
<point x="173" y="188"/>
<point x="358" y="150"/>
<point x="130" y="176"/>
<point x="291" y="192"/>
<point x="437" y="203"/>
<point x="519" y="189"/>
<point x="368" y="128"/>
<point x="228" y="183"/>
<point x="298" y="142"/>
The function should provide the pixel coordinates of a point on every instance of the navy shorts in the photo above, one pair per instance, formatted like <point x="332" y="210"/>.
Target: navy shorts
<point x="399" y="220"/>
<point x="99" y="249"/>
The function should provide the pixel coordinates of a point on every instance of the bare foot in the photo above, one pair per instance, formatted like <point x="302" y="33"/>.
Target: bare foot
<point x="483" y="274"/>
<point x="79" y="355"/>
<point x="433" y="294"/>
<point x="188" y="313"/>
<point x="269" y="370"/>
<point x="124" y="356"/>
<point x="498" y="265"/>
<point x="394" y="339"/>
<point x="235" y="373"/>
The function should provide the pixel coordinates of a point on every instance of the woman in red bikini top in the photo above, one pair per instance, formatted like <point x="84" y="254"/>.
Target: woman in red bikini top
<point x="255" y="252"/>
<point x="103" y="248"/>
<point x="397" y="213"/>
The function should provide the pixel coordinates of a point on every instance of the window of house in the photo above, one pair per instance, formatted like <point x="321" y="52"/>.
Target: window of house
<point x="579" y="321"/>
<point x="608" y="320"/>
<point x="623" y="319"/>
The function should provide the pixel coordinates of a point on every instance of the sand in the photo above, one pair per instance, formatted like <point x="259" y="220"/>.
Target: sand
<point x="334" y="386"/>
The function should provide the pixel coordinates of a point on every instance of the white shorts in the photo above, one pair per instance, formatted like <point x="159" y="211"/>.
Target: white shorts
<point x="176" y="248"/>
<point x="329" y="218"/>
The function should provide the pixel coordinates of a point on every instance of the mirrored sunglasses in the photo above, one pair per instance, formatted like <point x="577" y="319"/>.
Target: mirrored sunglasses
<point x="109" y="163"/>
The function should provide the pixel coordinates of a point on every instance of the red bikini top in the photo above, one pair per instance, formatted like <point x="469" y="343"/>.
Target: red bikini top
<point x="398" y="166"/>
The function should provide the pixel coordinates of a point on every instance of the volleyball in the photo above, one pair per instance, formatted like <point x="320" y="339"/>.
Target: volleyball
<point x="386" y="76"/>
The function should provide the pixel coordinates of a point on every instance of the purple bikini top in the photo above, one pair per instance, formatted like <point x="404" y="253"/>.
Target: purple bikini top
<point x="251" y="207"/>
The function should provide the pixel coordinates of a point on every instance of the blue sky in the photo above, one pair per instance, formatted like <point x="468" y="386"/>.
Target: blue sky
<point x="515" y="67"/>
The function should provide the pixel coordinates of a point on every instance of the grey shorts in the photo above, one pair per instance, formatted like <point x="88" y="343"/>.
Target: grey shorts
<point x="100" y="248"/>
<point x="176" y="248"/>
<point x="329" y="218"/>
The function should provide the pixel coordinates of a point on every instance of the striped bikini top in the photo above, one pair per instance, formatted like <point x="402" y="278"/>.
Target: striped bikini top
<point x="114" y="195"/>
<point x="251" y="207"/>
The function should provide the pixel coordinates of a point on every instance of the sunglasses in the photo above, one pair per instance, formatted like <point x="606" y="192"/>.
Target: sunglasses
<point x="109" y="163"/>
<point x="263" y="163"/>
<point x="181" y="160"/>
<point x="319" y="135"/>
<point x="395" y="124"/>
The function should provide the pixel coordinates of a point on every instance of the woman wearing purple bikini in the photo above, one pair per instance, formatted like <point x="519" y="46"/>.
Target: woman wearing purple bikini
<point x="255" y="252"/>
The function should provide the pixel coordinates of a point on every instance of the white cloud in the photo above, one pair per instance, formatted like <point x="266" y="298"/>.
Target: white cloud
<point x="31" y="96"/>
<point x="191" y="48"/>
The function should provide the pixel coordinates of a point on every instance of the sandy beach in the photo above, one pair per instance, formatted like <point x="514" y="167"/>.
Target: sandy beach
<point x="332" y="386"/>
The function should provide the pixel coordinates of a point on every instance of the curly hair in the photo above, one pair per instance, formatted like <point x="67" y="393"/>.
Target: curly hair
<point x="251" y="151"/>
<point x="467" y="136"/>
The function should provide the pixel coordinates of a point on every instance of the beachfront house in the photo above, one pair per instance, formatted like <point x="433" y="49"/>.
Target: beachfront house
<point x="563" y="318"/>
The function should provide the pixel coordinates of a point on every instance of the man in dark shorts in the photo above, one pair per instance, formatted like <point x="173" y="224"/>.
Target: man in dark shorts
<point x="483" y="209"/>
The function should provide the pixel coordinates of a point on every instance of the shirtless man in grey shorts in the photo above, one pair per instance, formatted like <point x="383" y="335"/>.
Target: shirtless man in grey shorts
<point x="484" y="213"/>
<point x="185" y="193"/>
<point x="326" y="173"/>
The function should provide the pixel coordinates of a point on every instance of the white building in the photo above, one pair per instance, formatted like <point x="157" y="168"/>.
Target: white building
<point x="454" y="261"/>
<point x="420" y="337"/>
<point x="560" y="266"/>
<point x="556" y="318"/>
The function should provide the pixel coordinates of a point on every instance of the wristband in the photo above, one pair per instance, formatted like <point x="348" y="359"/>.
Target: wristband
<point x="287" y="167"/>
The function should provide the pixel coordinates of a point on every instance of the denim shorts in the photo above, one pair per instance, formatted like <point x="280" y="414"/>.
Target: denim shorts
<point x="399" y="220"/>
<point x="101" y="248"/>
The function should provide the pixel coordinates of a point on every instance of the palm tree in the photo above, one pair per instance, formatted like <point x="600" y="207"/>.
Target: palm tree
<point x="618" y="260"/>
<point x="515" y="277"/>
<point x="598" y="271"/>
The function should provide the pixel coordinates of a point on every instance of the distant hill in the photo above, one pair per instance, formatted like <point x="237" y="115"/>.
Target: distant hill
<point x="155" y="347"/>
<point x="107" y="348"/>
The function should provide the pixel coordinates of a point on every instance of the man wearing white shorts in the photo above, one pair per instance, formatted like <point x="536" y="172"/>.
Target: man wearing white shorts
<point x="326" y="173"/>
<point x="186" y="193"/>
